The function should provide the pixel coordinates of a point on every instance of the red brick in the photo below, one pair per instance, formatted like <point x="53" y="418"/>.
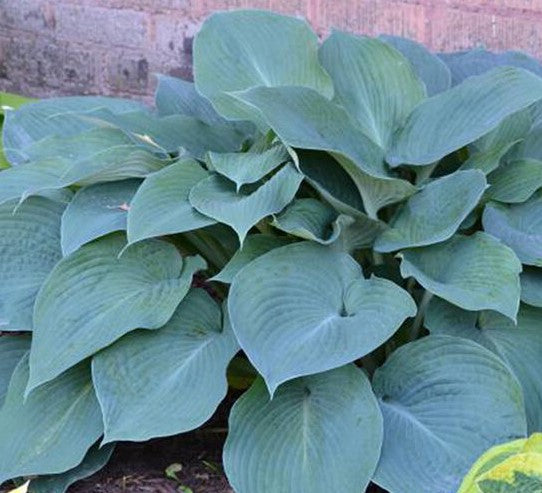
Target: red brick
<point x="453" y="29"/>
<point x="372" y="17"/>
<point x="104" y="26"/>
<point x="53" y="65"/>
<point x="128" y="71"/>
<point x="495" y="6"/>
<point x="28" y="15"/>
<point x="113" y="46"/>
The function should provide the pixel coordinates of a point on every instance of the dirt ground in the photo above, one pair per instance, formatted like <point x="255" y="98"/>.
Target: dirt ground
<point x="141" y="467"/>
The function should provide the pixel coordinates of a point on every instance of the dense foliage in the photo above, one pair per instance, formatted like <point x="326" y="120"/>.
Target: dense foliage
<point x="297" y="221"/>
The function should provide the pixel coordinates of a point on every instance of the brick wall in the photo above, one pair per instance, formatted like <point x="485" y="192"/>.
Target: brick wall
<point x="52" y="47"/>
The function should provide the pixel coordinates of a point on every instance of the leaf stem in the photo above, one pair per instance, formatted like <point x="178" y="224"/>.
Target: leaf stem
<point x="424" y="173"/>
<point x="369" y="363"/>
<point x="417" y="324"/>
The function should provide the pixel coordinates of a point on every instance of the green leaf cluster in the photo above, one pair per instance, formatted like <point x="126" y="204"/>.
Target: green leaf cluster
<point x="349" y="231"/>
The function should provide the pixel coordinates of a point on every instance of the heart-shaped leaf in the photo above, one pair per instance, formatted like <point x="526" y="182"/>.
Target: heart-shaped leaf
<point x="161" y="206"/>
<point x="519" y="226"/>
<point x="93" y="297"/>
<point x="168" y="381"/>
<point x="95" y="211"/>
<point x="289" y="326"/>
<point x="276" y="51"/>
<point x="30" y="248"/>
<point x="51" y="430"/>
<point x="216" y="197"/>
<point x="325" y="432"/>
<point x="435" y="213"/>
<point x="445" y="400"/>
<point x="473" y="272"/>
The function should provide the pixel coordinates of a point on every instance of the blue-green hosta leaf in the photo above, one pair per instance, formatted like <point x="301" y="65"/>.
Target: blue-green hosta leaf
<point x="170" y="133"/>
<point x="445" y="401"/>
<point x="93" y="297"/>
<point x="519" y="346"/>
<point x="515" y="181"/>
<point x="179" y="97"/>
<point x="356" y="232"/>
<point x="378" y="89"/>
<point x="452" y="119"/>
<point x="445" y="318"/>
<point x="161" y="206"/>
<point x="488" y="160"/>
<point x="216" y="197"/>
<point x="512" y="129"/>
<point x="248" y="167"/>
<point x="531" y="146"/>
<point x="62" y="117"/>
<point x="12" y="349"/>
<point x="168" y="381"/>
<point x="531" y="286"/>
<point x="473" y="272"/>
<point x="253" y="247"/>
<point x="96" y="458"/>
<point x="29" y="249"/>
<point x="275" y="51"/>
<point x="435" y="213"/>
<point x="51" y="430"/>
<point x="100" y="155"/>
<point x="303" y="118"/>
<point x="309" y="219"/>
<point x="331" y="181"/>
<point x="324" y="431"/>
<point x="433" y="72"/>
<point x="475" y="62"/>
<point x="289" y="326"/>
<point x="95" y="211"/>
<point x="519" y="226"/>
<point x="487" y="152"/>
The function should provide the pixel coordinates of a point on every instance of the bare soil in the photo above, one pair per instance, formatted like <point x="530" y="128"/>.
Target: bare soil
<point x="141" y="467"/>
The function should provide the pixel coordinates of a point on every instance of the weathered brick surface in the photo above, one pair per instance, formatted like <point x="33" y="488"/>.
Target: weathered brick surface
<point x="115" y="27"/>
<point x="114" y="46"/>
<point x="453" y="29"/>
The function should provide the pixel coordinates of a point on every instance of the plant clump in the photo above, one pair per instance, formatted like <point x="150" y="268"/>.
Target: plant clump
<point x="349" y="232"/>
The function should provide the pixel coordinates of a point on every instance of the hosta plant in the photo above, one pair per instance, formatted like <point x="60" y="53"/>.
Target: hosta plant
<point x="350" y="232"/>
<point x="512" y="467"/>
